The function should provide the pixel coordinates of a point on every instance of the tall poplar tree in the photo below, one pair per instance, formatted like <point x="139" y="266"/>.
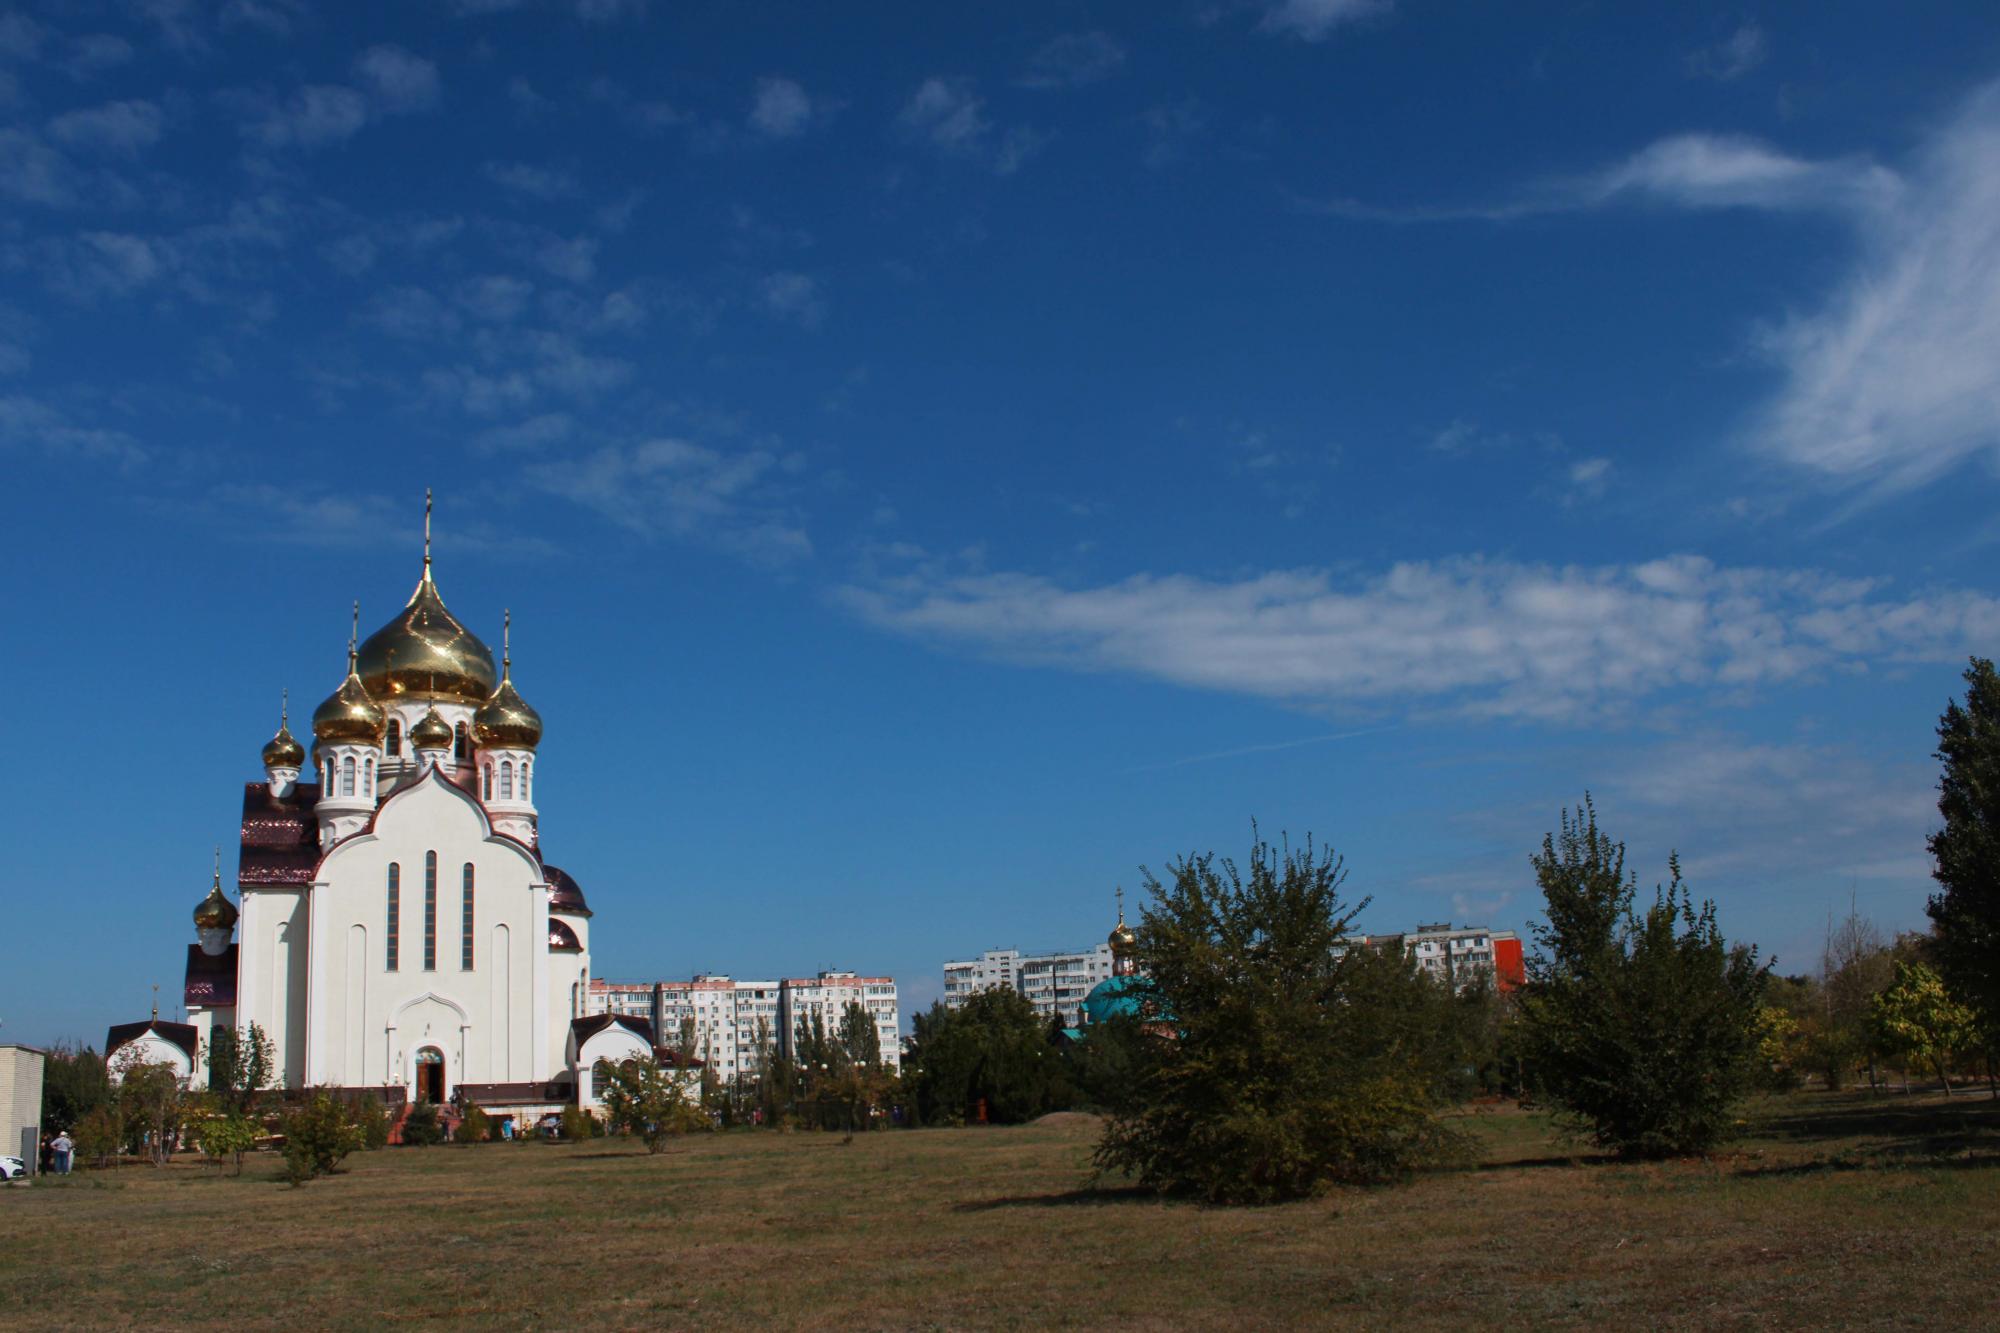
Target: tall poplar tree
<point x="1966" y="850"/>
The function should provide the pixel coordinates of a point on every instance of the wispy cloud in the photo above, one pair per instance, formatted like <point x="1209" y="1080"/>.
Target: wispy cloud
<point x="1271" y="747"/>
<point x="115" y="127"/>
<point x="535" y="181"/>
<point x="675" y="488"/>
<point x="392" y="81"/>
<point x="1894" y="380"/>
<point x="947" y="114"/>
<point x="1316" y="20"/>
<point x="1732" y="57"/>
<point x="780" y="109"/>
<point x="794" y="297"/>
<point x="1073" y="60"/>
<point x="1473" y="637"/>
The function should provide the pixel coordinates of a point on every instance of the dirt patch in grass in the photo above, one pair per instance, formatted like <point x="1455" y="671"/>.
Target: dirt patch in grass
<point x="1833" y="1211"/>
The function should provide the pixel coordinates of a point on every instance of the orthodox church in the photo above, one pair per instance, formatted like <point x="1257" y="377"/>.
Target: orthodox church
<point x="400" y="931"/>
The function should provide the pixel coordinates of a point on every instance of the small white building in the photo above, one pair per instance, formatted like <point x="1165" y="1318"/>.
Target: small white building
<point x="21" y="1070"/>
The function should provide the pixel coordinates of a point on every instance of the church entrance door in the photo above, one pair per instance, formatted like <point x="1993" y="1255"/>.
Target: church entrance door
<point x="430" y="1075"/>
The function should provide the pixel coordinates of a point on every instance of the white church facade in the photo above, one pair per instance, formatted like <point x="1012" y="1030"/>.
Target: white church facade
<point x="399" y="930"/>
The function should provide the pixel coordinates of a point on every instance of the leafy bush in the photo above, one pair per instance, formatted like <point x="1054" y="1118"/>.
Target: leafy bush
<point x="372" y="1119"/>
<point x="228" y="1136"/>
<point x="98" y="1135"/>
<point x="578" y="1124"/>
<point x="318" y="1135"/>
<point x="476" y="1127"/>
<point x="1271" y="1058"/>
<point x="422" y="1126"/>
<point x="1643" y="1029"/>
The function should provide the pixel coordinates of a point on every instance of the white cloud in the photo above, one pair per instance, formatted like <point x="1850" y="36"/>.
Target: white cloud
<point x="526" y="178"/>
<point x="1073" y="60"/>
<point x="947" y="113"/>
<point x="795" y="297"/>
<point x="495" y="296"/>
<point x="1586" y="479"/>
<point x="527" y="436"/>
<point x="1894" y="379"/>
<point x="33" y="173"/>
<point x="780" y="109"/>
<point x="1315" y="20"/>
<point x="572" y="260"/>
<point x="397" y="80"/>
<point x="96" y="52"/>
<point x="31" y="423"/>
<point x="1477" y="637"/>
<point x="410" y="313"/>
<point x="117" y="127"/>
<point x="1732" y="57"/>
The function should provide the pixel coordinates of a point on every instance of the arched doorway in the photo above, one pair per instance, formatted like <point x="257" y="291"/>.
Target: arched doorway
<point x="430" y="1075"/>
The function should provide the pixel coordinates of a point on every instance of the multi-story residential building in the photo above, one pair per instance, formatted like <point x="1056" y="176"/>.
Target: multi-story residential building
<point x="826" y="996"/>
<point x="726" y="1023"/>
<point x="1055" y="983"/>
<point x="1461" y="955"/>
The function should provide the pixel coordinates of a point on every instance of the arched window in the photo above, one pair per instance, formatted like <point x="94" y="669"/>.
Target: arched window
<point x="394" y="931"/>
<point x="461" y="743"/>
<point x="465" y="934"/>
<point x="506" y="779"/>
<point x="394" y="744"/>
<point x="524" y="779"/>
<point x="489" y="782"/>
<point x="347" y="775"/>
<point x="430" y="911"/>
<point x="368" y="776"/>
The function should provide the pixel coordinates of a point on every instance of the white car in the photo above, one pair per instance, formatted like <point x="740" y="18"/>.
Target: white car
<point x="12" y="1168"/>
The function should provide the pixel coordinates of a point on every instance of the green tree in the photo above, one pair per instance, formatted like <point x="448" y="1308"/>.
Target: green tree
<point x="423" y="1127"/>
<point x="474" y="1127"/>
<point x="153" y="1104"/>
<point x="240" y="1066"/>
<point x="1965" y="851"/>
<point x="98" y="1135"/>
<point x="860" y="1040"/>
<point x="1641" y="1027"/>
<point x="992" y="1051"/>
<point x="1276" y="1056"/>
<point x="319" y="1134"/>
<point x="75" y="1082"/>
<point x="642" y="1098"/>
<point x="372" y="1119"/>
<point x="1917" y="1018"/>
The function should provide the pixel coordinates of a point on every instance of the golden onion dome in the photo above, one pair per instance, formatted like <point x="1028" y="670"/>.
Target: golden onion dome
<point x="216" y="912"/>
<point x="283" y="750"/>
<point x="505" y="721"/>
<point x="426" y="654"/>
<point x="349" y="715"/>
<point x="432" y="732"/>
<point x="1121" y="939"/>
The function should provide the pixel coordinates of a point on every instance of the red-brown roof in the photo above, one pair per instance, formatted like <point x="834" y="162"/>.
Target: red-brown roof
<point x="211" y="979"/>
<point x="280" y="837"/>
<point x="182" y="1035"/>
<point x="566" y="895"/>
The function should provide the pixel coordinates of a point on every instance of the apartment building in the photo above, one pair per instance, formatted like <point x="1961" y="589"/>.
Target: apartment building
<point x="827" y="996"/>
<point x="725" y="1021"/>
<point x="1463" y="954"/>
<point x="1055" y="983"/>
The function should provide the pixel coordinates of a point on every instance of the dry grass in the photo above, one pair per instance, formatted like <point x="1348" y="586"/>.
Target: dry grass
<point x="1835" y="1211"/>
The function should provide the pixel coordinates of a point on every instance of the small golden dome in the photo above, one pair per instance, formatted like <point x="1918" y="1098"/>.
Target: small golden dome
<point x="349" y="716"/>
<point x="505" y="721"/>
<point x="1121" y="939"/>
<point x="283" y="750"/>
<point x="215" y="912"/>
<point x="431" y="732"/>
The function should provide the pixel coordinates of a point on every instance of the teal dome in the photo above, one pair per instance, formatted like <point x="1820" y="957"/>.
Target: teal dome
<point x="1113" y="997"/>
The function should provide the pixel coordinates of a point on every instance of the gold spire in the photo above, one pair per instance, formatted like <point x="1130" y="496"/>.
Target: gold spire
<point x="427" y="533"/>
<point x="506" y="642"/>
<point x="1122" y="939"/>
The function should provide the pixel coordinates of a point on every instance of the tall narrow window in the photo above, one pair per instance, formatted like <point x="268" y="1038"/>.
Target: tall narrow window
<point x="524" y="779"/>
<point x="347" y="776"/>
<point x="368" y="777"/>
<point x="394" y="933"/>
<point x="461" y="747"/>
<point x="430" y="911"/>
<point x="506" y="779"/>
<point x="465" y="934"/>
<point x="394" y="745"/>
<point x="489" y="782"/>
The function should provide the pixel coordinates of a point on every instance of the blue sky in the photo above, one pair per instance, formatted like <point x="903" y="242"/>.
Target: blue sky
<point x="940" y="459"/>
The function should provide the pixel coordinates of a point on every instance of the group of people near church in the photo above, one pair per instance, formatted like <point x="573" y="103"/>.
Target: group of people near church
<point x="57" y="1154"/>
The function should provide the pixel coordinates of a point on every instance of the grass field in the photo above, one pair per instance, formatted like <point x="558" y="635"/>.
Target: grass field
<point x="1834" y="1210"/>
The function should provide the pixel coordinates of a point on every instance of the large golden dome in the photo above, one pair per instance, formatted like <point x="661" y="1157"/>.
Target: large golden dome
<point x="424" y="653"/>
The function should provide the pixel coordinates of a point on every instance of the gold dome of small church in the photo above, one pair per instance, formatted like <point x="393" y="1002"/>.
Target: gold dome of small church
<point x="506" y="722"/>
<point x="283" y="750"/>
<point x="425" y="653"/>
<point x="432" y="732"/>
<point x="215" y="912"/>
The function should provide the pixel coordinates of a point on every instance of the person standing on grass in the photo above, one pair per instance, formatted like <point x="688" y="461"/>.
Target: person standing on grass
<point x="64" y="1147"/>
